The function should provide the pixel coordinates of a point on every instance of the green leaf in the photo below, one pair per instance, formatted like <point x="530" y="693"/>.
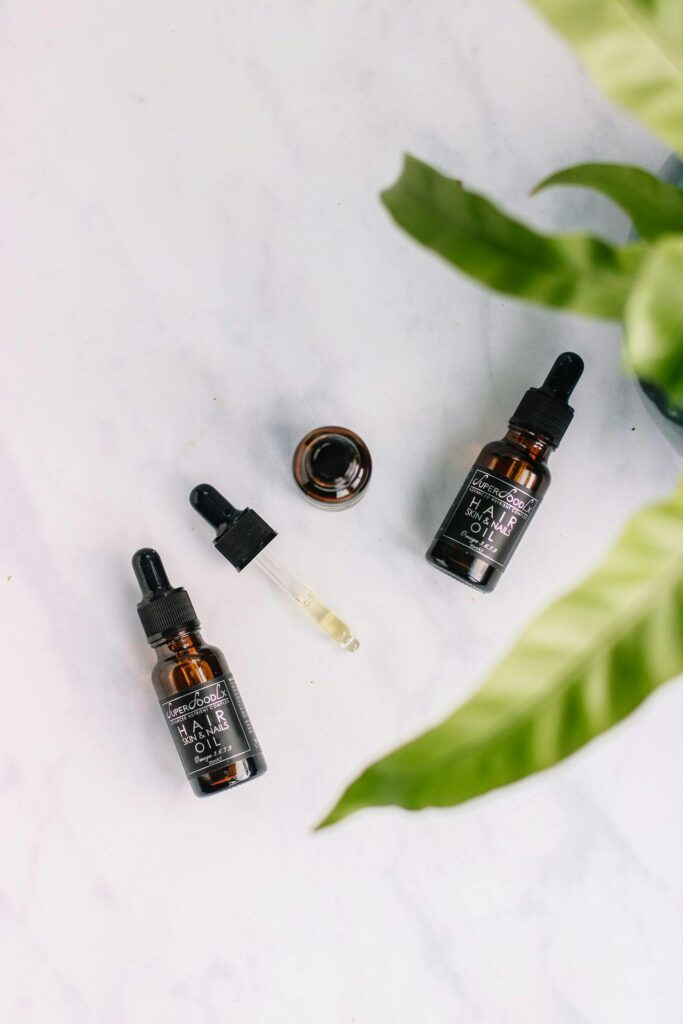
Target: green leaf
<point x="584" y="664"/>
<point x="654" y="319"/>
<point x="634" y="51"/>
<point x="654" y="206"/>
<point x="576" y="272"/>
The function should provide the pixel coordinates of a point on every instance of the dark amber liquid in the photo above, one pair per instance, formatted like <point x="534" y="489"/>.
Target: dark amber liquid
<point x="332" y="466"/>
<point x="519" y="457"/>
<point x="184" y="661"/>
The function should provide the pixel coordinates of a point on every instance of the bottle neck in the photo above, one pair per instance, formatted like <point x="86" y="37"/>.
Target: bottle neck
<point x="185" y="641"/>
<point x="534" y="446"/>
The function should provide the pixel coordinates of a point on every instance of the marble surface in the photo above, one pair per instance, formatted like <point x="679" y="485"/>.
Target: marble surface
<point x="196" y="270"/>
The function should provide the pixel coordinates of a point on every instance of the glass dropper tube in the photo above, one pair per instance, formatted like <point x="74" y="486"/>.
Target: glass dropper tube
<point x="242" y="538"/>
<point x="308" y="600"/>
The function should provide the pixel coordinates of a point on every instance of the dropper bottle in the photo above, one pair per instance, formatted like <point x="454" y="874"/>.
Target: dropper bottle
<point x="242" y="538"/>
<point x="195" y="687"/>
<point x="505" y="486"/>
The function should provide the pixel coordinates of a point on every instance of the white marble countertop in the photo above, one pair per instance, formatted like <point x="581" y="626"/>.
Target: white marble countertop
<point x="196" y="270"/>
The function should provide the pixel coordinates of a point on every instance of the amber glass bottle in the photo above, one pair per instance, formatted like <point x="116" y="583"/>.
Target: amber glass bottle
<point x="332" y="467"/>
<point x="496" y="503"/>
<point x="196" y="690"/>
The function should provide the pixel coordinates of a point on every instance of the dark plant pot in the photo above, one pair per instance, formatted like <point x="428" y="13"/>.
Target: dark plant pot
<point x="668" y="417"/>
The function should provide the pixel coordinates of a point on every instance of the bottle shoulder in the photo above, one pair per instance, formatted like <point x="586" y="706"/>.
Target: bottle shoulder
<point x="181" y="670"/>
<point x="512" y="463"/>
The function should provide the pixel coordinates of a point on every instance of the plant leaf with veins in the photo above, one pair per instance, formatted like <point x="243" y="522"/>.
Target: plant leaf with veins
<point x="575" y="272"/>
<point x="654" y="319"/>
<point x="585" y="663"/>
<point x="654" y="206"/>
<point x="633" y="49"/>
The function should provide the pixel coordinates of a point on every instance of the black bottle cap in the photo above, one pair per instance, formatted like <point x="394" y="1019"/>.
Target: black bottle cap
<point x="164" y="609"/>
<point x="546" y="410"/>
<point x="240" y="533"/>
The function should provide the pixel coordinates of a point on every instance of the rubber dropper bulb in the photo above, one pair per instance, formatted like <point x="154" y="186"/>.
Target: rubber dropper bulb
<point x="212" y="506"/>
<point x="564" y="376"/>
<point x="150" y="573"/>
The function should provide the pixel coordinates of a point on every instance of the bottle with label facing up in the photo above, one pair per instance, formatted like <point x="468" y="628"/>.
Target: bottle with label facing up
<point x="498" y="499"/>
<point x="196" y="690"/>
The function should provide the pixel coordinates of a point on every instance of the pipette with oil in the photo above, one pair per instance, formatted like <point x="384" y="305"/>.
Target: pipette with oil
<point x="242" y="538"/>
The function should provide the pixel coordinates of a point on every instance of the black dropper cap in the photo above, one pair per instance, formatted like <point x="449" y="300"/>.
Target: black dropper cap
<point x="546" y="410"/>
<point x="240" y="533"/>
<point x="164" y="609"/>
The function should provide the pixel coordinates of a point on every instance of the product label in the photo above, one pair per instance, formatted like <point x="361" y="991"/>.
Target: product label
<point x="210" y="725"/>
<point x="489" y="516"/>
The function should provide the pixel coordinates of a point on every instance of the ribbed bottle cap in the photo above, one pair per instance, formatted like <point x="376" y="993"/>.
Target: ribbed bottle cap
<point x="240" y="533"/>
<point x="163" y="609"/>
<point x="546" y="410"/>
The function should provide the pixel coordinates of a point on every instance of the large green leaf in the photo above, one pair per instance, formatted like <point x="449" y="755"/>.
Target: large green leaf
<point x="654" y="319"/>
<point x="654" y="206"/>
<point x="575" y="272"/>
<point x="634" y="51"/>
<point x="583" y="665"/>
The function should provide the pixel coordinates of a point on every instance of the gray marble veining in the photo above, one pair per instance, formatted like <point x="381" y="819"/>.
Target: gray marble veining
<point x="196" y="271"/>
